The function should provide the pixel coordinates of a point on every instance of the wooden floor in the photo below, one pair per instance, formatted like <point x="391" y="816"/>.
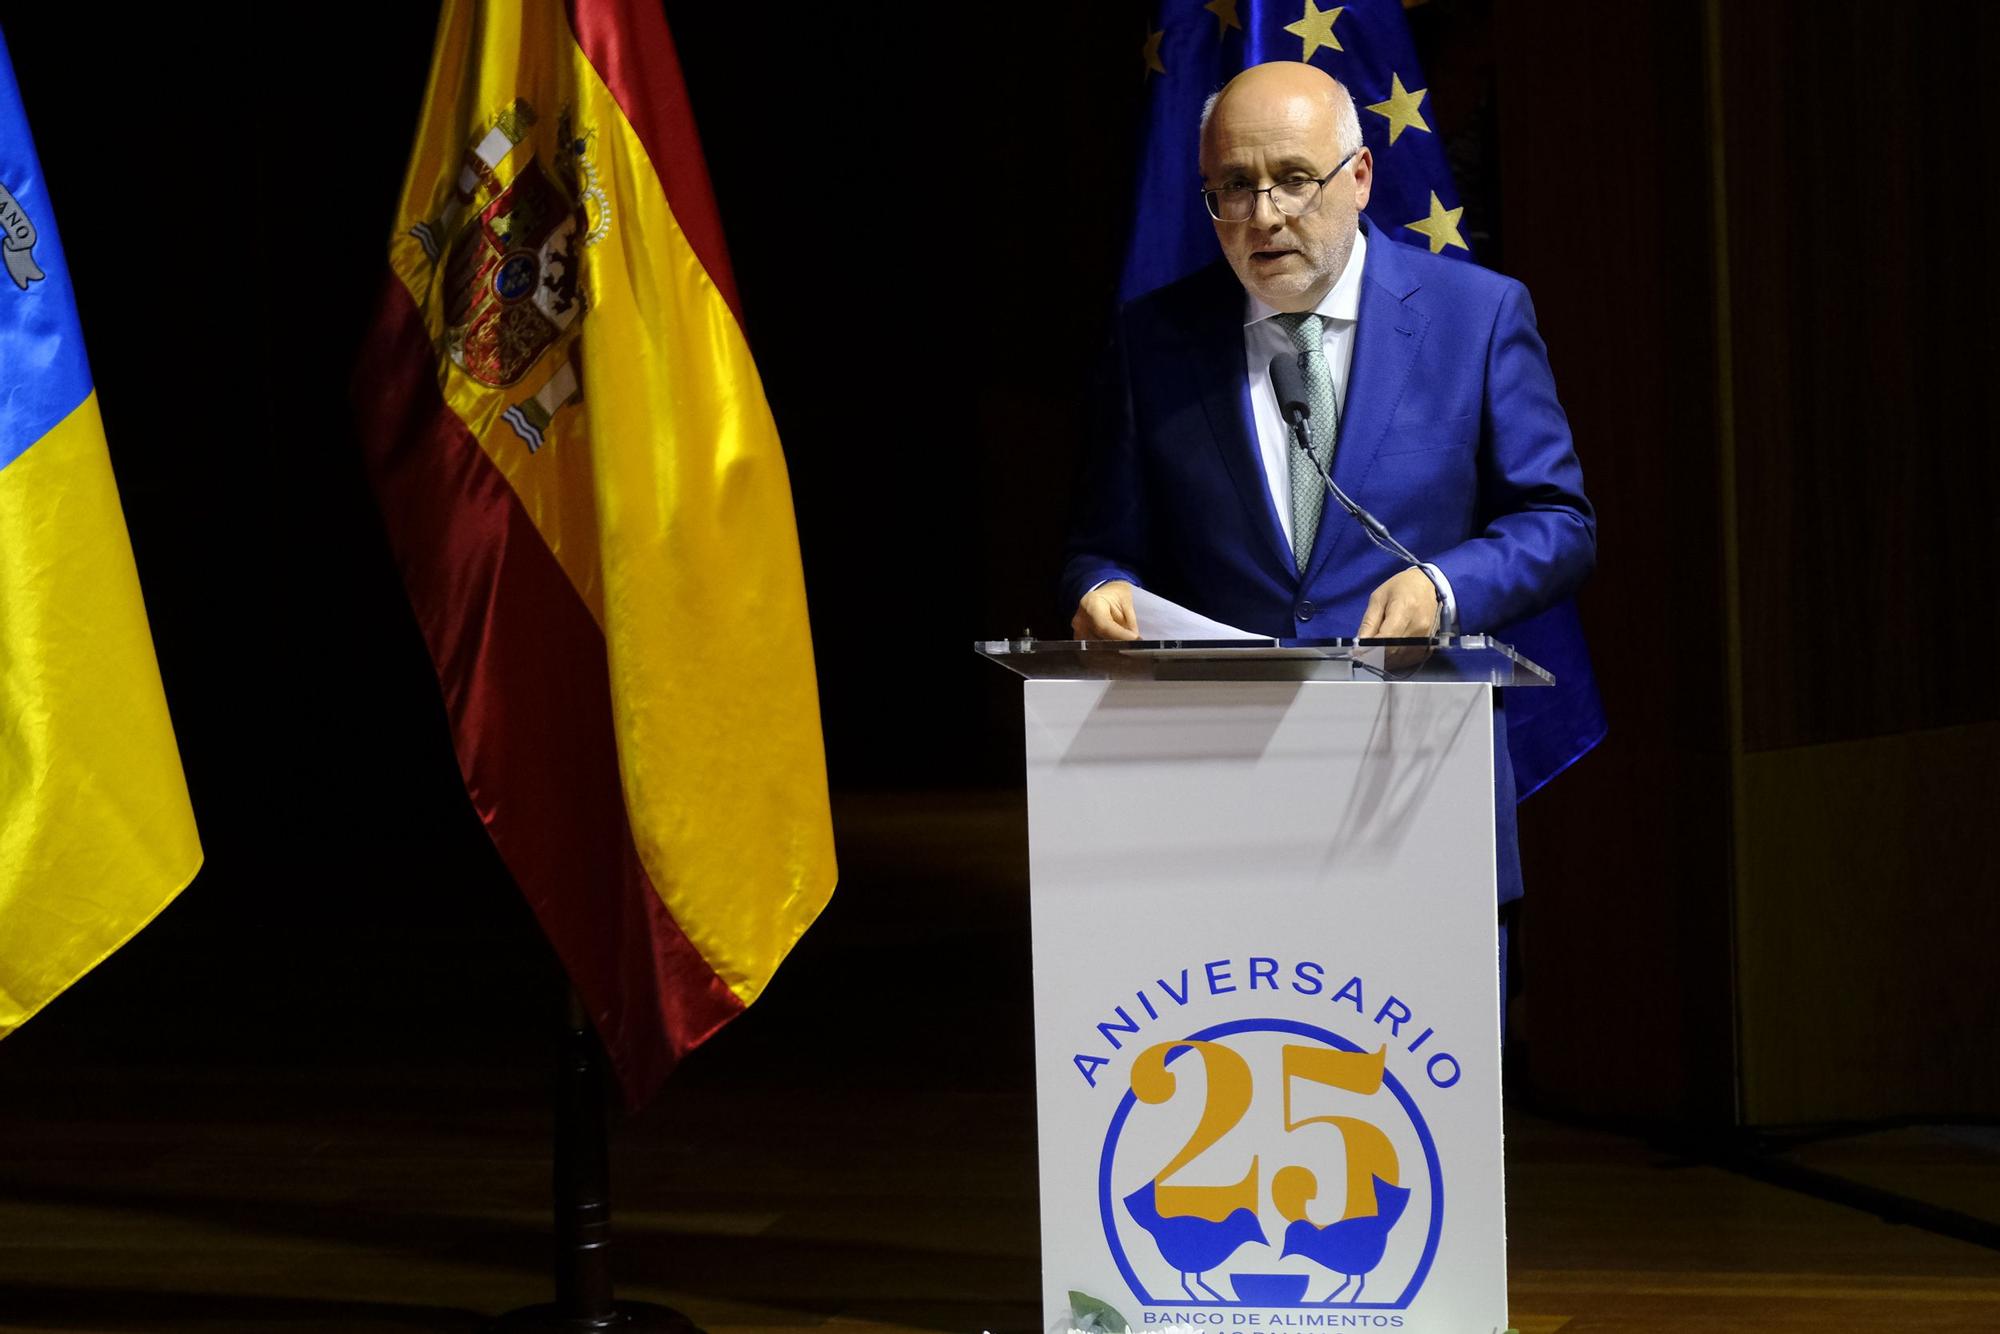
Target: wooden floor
<point x="170" y="1160"/>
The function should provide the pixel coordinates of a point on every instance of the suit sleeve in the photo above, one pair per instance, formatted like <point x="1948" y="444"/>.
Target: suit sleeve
<point x="1537" y="538"/>
<point x="1110" y="532"/>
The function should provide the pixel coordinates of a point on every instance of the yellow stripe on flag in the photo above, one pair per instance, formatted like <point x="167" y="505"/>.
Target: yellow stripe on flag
<point x="96" y="834"/>
<point x="711" y="665"/>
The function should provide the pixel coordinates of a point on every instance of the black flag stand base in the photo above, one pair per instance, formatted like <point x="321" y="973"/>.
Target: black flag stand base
<point x="584" y="1303"/>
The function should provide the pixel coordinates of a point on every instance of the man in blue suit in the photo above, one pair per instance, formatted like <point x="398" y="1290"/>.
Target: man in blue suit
<point x="1431" y="392"/>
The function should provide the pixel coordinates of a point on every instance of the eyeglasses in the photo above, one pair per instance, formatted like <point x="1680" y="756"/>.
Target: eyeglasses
<point x="1294" y="199"/>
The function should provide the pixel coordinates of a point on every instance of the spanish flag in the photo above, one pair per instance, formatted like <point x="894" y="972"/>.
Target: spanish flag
<point x="583" y="486"/>
<point x="96" y="834"/>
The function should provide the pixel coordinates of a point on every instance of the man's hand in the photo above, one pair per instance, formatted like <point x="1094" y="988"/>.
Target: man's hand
<point x="1406" y="607"/>
<point x="1106" y="613"/>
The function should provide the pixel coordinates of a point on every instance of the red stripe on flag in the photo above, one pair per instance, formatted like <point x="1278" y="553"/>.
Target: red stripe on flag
<point x="627" y="43"/>
<point x="528" y="691"/>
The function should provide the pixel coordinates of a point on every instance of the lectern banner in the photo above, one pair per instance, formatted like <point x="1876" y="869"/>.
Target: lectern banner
<point x="1267" y="1028"/>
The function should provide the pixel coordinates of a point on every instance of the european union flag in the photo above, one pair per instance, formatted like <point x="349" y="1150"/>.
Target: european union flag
<point x="1192" y="51"/>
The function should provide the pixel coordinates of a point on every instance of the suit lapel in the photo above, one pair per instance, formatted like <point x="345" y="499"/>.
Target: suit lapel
<point x="1387" y="334"/>
<point x="1217" y="361"/>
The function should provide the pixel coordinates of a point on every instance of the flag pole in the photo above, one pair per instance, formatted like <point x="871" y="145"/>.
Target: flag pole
<point x="581" y="1177"/>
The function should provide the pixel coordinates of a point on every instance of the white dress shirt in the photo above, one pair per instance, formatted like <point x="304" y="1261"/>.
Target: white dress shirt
<point x="1264" y="338"/>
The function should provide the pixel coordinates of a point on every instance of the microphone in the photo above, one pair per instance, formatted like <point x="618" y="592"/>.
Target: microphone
<point x="1288" y="382"/>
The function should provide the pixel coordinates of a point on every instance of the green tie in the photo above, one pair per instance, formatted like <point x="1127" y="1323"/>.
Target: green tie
<point x="1308" y="489"/>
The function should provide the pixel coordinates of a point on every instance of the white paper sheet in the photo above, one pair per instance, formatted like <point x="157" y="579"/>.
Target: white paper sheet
<point x="1161" y="619"/>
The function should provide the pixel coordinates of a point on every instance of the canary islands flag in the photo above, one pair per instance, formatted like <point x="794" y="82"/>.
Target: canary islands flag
<point x="583" y="486"/>
<point x="1191" y="51"/>
<point x="96" y="834"/>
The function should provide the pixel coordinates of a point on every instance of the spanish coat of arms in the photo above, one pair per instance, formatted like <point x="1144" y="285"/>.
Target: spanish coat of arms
<point x="510" y="278"/>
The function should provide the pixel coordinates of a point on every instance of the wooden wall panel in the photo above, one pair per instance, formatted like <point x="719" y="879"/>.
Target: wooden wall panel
<point x="1862" y="183"/>
<point x="1860" y="168"/>
<point x="1625" y="927"/>
<point x="1868" y="920"/>
<point x="1776" y="915"/>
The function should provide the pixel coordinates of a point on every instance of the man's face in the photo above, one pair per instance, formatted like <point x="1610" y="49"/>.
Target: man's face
<point x="1257" y="139"/>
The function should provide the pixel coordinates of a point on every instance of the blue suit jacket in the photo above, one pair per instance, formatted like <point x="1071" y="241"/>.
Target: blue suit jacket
<point x="1451" y="435"/>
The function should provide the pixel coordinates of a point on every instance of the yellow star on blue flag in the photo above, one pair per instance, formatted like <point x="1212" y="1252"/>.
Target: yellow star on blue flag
<point x="1315" y="29"/>
<point x="1440" y="228"/>
<point x="1402" y="108"/>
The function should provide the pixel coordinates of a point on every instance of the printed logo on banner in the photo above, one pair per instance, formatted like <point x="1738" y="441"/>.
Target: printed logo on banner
<point x="1266" y="1161"/>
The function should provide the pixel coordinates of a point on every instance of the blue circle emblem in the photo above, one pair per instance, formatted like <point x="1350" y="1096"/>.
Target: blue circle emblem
<point x="516" y="276"/>
<point x="1252" y="1289"/>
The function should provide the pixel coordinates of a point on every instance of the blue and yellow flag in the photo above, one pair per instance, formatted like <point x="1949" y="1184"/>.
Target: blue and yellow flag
<point x="96" y="834"/>
<point x="1191" y="51"/>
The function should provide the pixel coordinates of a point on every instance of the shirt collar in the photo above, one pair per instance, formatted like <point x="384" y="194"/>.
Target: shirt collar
<point x="1341" y="302"/>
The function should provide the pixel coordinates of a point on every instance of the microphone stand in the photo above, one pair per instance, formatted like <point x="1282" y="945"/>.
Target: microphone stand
<point x="1401" y="656"/>
<point x="1377" y="533"/>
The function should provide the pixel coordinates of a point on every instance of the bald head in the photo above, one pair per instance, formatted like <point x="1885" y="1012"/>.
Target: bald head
<point x="1287" y="87"/>
<point x="1285" y="124"/>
